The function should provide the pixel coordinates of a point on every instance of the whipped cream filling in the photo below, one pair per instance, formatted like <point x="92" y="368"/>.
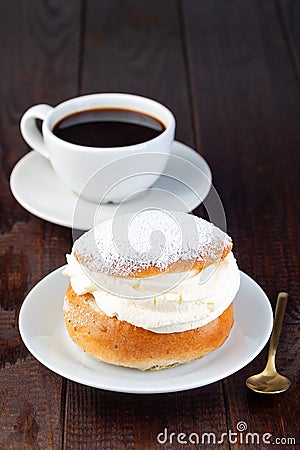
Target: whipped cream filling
<point x="168" y="303"/>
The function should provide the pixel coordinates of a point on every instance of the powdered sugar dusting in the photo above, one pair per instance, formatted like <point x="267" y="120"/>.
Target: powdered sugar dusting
<point x="126" y="245"/>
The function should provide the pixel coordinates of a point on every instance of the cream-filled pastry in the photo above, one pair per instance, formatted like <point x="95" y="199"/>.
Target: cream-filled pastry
<point x="151" y="290"/>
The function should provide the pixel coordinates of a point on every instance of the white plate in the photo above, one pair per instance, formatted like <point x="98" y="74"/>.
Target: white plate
<point x="184" y="184"/>
<point x="43" y="332"/>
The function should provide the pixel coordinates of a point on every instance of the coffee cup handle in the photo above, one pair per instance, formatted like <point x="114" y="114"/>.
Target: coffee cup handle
<point x="29" y="128"/>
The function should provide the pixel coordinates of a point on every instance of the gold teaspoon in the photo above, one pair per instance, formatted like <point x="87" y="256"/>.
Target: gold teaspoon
<point x="269" y="381"/>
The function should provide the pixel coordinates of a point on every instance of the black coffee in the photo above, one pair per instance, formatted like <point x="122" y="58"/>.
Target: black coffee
<point x="108" y="128"/>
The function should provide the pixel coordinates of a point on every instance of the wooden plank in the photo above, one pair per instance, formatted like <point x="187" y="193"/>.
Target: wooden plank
<point x="30" y="397"/>
<point x="246" y="102"/>
<point x="289" y="17"/>
<point x="39" y="58"/>
<point x="278" y="414"/>
<point x="137" y="47"/>
<point x="123" y="421"/>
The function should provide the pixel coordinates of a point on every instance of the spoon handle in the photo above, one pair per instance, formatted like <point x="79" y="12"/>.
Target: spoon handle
<point x="278" y="319"/>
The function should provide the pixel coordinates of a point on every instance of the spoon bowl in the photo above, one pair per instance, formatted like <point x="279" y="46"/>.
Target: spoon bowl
<point x="269" y="381"/>
<point x="268" y="384"/>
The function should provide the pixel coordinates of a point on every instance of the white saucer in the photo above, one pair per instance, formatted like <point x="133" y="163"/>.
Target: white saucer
<point x="183" y="186"/>
<point x="43" y="331"/>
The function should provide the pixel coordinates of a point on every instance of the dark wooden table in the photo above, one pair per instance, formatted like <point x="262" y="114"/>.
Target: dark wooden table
<point x="229" y="70"/>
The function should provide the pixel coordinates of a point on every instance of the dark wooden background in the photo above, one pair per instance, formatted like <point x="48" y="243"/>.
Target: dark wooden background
<point x="230" y="71"/>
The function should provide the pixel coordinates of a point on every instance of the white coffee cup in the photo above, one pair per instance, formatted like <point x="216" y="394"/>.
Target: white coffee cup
<point x="82" y="168"/>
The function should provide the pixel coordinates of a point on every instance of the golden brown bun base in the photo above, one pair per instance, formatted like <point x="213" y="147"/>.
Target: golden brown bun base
<point x="117" y="342"/>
